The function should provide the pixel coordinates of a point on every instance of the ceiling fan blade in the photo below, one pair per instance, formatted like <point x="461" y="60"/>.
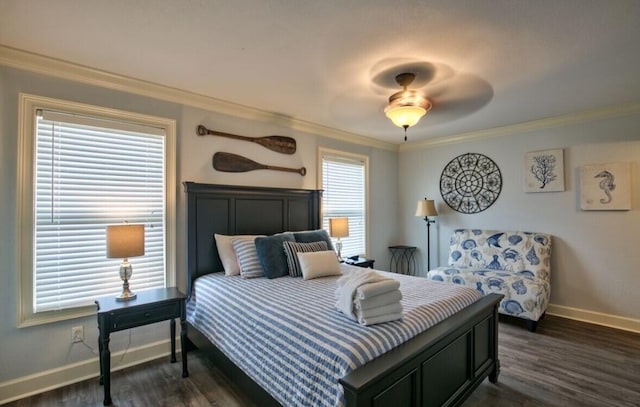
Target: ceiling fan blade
<point x="458" y="97"/>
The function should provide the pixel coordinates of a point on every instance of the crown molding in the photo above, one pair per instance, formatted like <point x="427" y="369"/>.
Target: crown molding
<point x="558" y="121"/>
<point x="24" y="60"/>
<point x="20" y="59"/>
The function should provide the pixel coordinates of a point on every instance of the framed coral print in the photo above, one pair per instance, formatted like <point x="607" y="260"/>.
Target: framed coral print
<point x="544" y="171"/>
<point x="605" y="187"/>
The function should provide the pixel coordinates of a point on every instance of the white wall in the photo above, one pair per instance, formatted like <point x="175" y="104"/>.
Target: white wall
<point x="35" y="357"/>
<point x="595" y="253"/>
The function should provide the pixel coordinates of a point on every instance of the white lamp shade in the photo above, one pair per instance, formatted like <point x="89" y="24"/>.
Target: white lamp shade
<point x="124" y="241"/>
<point x="426" y="207"/>
<point x="339" y="227"/>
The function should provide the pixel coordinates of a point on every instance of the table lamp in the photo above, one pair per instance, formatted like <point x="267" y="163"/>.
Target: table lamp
<point x="339" y="227"/>
<point x="124" y="241"/>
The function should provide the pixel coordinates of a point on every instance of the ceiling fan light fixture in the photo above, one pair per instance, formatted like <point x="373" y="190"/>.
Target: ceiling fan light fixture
<point x="405" y="116"/>
<point x="407" y="106"/>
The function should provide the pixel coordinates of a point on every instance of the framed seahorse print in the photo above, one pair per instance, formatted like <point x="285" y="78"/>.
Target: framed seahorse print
<point x="605" y="187"/>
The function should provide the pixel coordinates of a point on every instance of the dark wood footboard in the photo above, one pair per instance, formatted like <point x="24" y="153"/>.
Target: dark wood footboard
<point x="439" y="367"/>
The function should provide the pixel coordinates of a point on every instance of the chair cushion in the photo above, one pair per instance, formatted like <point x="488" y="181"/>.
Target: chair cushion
<point x="525" y="296"/>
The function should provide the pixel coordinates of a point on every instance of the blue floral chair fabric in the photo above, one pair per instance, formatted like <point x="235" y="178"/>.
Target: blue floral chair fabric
<point x="515" y="264"/>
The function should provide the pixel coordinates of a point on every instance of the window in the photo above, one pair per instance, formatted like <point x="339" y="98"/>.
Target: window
<point x="83" y="168"/>
<point x="343" y="177"/>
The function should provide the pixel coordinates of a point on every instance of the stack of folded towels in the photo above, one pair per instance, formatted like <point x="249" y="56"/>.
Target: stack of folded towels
<point x="369" y="297"/>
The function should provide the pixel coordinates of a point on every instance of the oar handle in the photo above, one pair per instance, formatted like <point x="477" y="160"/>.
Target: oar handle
<point x="203" y="131"/>
<point x="302" y="170"/>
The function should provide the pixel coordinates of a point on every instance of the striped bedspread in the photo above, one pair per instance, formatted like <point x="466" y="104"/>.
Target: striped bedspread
<point x="287" y="335"/>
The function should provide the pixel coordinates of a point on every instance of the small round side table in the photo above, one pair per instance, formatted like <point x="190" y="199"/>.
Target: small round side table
<point x="402" y="260"/>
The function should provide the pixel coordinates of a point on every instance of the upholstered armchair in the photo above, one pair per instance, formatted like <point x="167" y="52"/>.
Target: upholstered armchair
<point x="515" y="264"/>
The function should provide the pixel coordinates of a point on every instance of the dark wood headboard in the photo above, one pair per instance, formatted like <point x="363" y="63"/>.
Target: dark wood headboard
<point x="240" y="210"/>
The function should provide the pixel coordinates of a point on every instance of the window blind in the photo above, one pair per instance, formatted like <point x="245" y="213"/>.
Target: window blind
<point x="90" y="173"/>
<point x="343" y="181"/>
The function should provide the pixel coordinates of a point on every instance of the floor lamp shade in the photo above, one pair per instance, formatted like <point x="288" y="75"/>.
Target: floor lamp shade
<point x="426" y="207"/>
<point x="124" y="241"/>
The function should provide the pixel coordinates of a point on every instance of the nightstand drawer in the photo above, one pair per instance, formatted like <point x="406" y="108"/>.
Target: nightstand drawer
<point x="145" y="316"/>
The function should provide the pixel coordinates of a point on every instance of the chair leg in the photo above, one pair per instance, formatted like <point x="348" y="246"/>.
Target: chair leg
<point x="531" y="325"/>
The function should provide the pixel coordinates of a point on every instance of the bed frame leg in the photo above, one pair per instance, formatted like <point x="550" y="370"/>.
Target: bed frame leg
<point x="493" y="376"/>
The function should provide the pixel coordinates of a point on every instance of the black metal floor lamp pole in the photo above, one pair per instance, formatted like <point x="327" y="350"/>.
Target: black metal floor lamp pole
<point x="426" y="207"/>
<point x="429" y="222"/>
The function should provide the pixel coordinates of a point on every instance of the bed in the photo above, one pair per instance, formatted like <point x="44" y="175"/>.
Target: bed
<point x="440" y="366"/>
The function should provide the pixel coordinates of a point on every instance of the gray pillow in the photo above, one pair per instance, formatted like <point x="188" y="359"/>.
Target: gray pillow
<point x="271" y="254"/>
<point x="310" y="236"/>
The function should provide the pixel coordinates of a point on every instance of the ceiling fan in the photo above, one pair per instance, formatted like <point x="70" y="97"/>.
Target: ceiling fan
<point x="433" y="88"/>
<point x="445" y="95"/>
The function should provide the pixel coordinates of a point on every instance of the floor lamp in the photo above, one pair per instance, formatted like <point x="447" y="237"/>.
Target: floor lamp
<point x="426" y="207"/>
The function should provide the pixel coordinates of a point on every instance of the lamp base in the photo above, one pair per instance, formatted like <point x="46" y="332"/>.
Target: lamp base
<point x="125" y="273"/>
<point x="126" y="296"/>
<point x="339" y="249"/>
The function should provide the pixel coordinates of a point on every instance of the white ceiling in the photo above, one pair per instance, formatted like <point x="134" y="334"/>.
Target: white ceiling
<point x="484" y="64"/>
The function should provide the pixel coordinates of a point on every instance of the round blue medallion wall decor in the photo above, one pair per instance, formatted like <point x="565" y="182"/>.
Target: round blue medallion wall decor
<point x="470" y="183"/>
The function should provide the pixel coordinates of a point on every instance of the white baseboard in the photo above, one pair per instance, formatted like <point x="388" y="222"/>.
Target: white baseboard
<point x="51" y="379"/>
<point x="592" y="317"/>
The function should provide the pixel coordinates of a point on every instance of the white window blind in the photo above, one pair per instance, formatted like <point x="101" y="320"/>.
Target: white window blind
<point x="90" y="173"/>
<point x="344" y="185"/>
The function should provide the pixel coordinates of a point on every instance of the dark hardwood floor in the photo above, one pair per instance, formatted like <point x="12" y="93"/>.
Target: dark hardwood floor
<point x="566" y="363"/>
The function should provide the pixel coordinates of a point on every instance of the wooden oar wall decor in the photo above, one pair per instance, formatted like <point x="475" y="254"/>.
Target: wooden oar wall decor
<point x="229" y="162"/>
<point x="279" y="144"/>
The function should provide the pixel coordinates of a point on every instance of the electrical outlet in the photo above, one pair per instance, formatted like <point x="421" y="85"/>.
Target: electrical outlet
<point x="77" y="334"/>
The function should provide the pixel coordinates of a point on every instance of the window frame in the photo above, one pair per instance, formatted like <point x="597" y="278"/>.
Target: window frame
<point x="322" y="152"/>
<point x="28" y="106"/>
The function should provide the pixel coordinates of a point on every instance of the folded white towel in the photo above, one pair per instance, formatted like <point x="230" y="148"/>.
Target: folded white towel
<point x="380" y="300"/>
<point x="376" y="312"/>
<point x="376" y="288"/>
<point x="349" y="283"/>
<point x="380" y="319"/>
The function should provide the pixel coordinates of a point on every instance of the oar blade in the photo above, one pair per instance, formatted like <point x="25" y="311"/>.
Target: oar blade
<point x="279" y="144"/>
<point x="228" y="162"/>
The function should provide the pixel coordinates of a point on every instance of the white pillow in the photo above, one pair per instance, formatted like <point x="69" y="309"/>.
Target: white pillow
<point x="227" y="254"/>
<point x="319" y="264"/>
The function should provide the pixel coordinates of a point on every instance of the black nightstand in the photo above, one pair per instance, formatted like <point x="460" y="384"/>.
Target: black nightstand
<point x="149" y="307"/>
<point x="361" y="262"/>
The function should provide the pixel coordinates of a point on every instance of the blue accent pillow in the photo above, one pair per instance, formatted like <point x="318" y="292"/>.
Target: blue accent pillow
<point x="271" y="254"/>
<point x="310" y="236"/>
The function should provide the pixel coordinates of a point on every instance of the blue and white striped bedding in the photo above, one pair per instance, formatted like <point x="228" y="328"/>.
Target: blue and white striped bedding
<point x="287" y="335"/>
